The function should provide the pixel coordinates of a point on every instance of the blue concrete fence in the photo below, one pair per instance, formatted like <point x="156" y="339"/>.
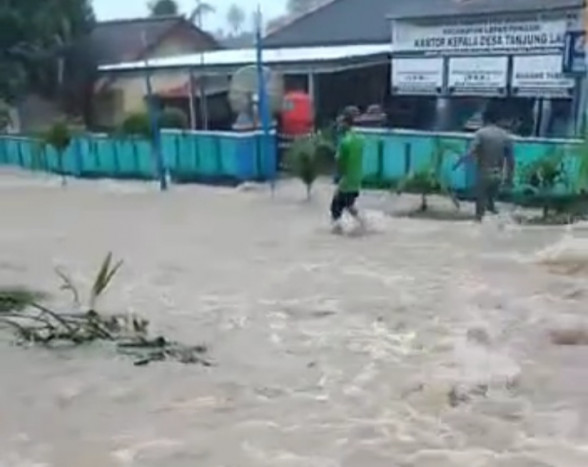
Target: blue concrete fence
<point x="192" y="156"/>
<point x="188" y="156"/>
<point x="392" y="154"/>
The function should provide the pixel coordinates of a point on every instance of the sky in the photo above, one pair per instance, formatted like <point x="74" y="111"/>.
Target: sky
<point x="113" y="9"/>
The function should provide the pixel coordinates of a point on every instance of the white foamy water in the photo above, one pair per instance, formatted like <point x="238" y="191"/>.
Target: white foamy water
<point x="419" y="344"/>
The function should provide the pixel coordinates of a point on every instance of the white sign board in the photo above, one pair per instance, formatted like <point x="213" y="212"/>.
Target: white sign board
<point x="479" y="37"/>
<point x="417" y="76"/>
<point x="478" y="76"/>
<point x="540" y="76"/>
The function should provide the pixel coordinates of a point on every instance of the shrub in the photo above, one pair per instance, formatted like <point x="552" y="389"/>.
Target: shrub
<point x="542" y="176"/>
<point x="429" y="180"/>
<point x="137" y="125"/>
<point x="173" y="118"/>
<point x="308" y="158"/>
<point x="59" y="137"/>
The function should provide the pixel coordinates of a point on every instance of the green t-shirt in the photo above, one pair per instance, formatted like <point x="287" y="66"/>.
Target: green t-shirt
<point x="350" y="162"/>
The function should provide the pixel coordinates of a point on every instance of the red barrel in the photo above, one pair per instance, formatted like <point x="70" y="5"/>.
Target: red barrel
<point x="297" y="116"/>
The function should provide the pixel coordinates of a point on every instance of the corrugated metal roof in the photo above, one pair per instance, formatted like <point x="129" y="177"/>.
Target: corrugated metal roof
<point x="445" y="8"/>
<point x="242" y="57"/>
<point x="126" y="39"/>
<point x="366" y="21"/>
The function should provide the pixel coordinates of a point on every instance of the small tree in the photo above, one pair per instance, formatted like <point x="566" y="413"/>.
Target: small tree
<point x="236" y="18"/>
<point x="308" y="158"/>
<point x="429" y="180"/>
<point x="164" y="8"/>
<point x="201" y="10"/>
<point x="424" y="182"/>
<point x="59" y="137"/>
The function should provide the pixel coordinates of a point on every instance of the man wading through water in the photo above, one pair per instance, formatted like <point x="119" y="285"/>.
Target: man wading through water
<point x="349" y="171"/>
<point x="492" y="150"/>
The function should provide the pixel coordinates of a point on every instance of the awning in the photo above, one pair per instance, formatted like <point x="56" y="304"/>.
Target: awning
<point x="218" y="85"/>
<point x="287" y="60"/>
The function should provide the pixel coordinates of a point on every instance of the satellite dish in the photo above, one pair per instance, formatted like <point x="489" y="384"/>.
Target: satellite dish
<point x="243" y="94"/>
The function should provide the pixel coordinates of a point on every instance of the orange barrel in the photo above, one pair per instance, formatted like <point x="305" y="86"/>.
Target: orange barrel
<point x="296" y="115"/>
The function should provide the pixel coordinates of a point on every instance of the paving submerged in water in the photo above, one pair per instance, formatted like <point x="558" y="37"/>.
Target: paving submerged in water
<point x="422" y="344"/>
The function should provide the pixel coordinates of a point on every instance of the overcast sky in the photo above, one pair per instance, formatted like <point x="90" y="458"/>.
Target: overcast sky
<point x="113" y="9"/>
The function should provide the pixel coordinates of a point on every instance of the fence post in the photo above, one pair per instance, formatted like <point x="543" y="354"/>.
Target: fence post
<point x="407" y="158"/>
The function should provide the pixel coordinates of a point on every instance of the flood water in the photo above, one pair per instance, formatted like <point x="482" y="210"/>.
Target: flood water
<point x="420" y="344"/>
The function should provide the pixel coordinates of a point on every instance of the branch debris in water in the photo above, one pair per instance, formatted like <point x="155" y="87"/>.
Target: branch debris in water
<point x="35" y="323"/>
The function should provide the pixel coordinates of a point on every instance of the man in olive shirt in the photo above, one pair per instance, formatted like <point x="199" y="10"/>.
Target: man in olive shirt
<point x="492" y="150"/>
<point x="350" y="171"/>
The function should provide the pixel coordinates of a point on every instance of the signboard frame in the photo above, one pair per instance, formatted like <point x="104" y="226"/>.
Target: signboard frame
<point x="530" y="77"/>
<point x="479" y="76"/>
<point x="493" y="36"/>
<point x="426" y="81"/>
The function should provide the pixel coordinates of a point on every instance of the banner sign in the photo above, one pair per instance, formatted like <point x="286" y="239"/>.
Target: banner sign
<point x="574" y="60"/>
<point x="417" y="76"/>
<point x="488" y="36"/>
<point x="540" y="76"/>
<point x="478" y="76"/>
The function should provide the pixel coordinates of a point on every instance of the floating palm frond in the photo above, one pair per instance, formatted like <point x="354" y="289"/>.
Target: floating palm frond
<point x="103" y="278"/>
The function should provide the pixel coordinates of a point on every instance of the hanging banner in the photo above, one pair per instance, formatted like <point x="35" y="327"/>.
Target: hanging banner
<point x="540" y="76"/>
<point x="478" y="76"/>
<point x="417" y="76"/>
<point x="490" y="36"/>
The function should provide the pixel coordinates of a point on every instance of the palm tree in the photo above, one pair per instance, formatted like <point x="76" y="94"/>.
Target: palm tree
<point x="202" y="9"/>
<point x="236" y="18"/>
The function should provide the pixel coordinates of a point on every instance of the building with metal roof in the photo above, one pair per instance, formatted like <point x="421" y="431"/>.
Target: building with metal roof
<point x="292" y="60"/>
<point x="367" y="21"/>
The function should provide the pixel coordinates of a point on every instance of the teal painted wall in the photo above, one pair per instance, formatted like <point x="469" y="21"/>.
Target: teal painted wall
<point x="390" y="155"/>
<point x="188" y="156"/>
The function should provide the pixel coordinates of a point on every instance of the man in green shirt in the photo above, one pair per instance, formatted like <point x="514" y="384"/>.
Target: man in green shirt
<point x="350" y="172"/>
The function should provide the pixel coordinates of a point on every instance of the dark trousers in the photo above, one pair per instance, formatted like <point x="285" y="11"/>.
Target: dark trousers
<point x="486" y="192"/>
<point x="343" y="201"/>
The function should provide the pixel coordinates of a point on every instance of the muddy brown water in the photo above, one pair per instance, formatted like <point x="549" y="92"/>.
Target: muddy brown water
<point x="420" y="344"/>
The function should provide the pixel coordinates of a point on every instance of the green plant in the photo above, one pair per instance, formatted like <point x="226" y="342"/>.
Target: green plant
<point x="429" y="179"/>
<point x="173" y="118"/>
<point x="136" y="125"/>
<point x="543" y="175"/>
<point x="580" y="152"/>
<point x="59" y="137"/>
<point x="308" y="158"/>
